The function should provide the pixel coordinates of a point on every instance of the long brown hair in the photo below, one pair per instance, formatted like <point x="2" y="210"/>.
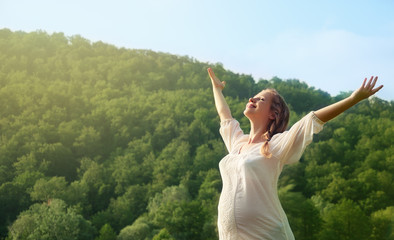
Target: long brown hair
<point x="277" y="125"/>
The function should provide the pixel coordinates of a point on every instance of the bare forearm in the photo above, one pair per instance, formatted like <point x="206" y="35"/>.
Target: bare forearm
<point x="366" y="90"/>
<point x="221" y="104"/>
<point x="327" y="113"/>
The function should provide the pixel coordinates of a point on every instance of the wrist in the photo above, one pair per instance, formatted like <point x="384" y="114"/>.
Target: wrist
<point x="217" y="88"/>
<point x="354" y="99"/>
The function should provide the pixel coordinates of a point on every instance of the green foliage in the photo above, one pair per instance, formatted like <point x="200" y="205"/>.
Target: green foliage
<point x="345" y="221"/>
<point x="126" y="208"/>
<point x="106" y="233"/>
<point x="52" y="220"/>
<point x="303" y="216"/>
<point x="383" y="224"/>
<point x="173" y="210"/>
<point x="163" y="235"/>
<point x="130" y="138"/>
<point x="139" y="230"/>
<point x="13" y="200"/>
<point x="44" y="190"/>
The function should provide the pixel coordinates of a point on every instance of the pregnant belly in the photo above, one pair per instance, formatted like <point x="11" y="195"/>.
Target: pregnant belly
<point x="256" y="219"/>
<point x="226" y="217"/>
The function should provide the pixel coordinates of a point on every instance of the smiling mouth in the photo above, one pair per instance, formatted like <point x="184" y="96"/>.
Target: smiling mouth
<point x="251" y="106"/>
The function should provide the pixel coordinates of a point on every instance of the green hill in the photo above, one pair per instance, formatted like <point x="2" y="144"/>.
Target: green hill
<point x="112" y="142"/>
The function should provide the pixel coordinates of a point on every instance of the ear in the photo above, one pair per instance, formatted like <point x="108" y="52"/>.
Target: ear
<point x="272" y="115"/>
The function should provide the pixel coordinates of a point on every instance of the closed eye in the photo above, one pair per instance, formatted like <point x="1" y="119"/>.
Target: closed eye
<point x="256" y="99"/>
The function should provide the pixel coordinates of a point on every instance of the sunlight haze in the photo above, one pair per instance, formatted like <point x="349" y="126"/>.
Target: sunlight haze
<point x="330" y="45"/>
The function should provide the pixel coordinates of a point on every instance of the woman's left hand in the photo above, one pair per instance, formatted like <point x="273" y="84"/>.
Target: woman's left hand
<point x="366" y="90"/>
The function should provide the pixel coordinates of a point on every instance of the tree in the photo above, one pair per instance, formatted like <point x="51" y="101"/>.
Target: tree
<point x="208" y="195"/>
<point x="13" y="199"/>
<point x="173" y="210"/>
<point x="345" y="221"/>
<point x="88" y="143"/>
<point x="383" y="224"/>
<point x="125" y="209"/>
<point x="134" y="166"/>
<point x="139" y="230"/>
<point x="208" y="155"/>
<point x="52" y="220"/>
<point x="44" y="190"/>
<point x="95" y="180"/>
<point x="172" y="163"/>
<point x="163" y="235"/>
<point x="303" y="216"/>
<point x="106" y="233"/>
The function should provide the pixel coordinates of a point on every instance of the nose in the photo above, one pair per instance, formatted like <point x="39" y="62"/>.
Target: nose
<point x="251" y="100"/>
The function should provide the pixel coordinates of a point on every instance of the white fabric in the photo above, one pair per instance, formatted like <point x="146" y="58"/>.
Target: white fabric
<point x="249" y="206"/>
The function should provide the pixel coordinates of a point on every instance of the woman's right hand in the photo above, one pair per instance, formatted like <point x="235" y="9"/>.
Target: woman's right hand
<point x="216" y="83"/>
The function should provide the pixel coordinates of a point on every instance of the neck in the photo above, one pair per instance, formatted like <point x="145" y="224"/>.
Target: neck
<point x="256" y="131"/>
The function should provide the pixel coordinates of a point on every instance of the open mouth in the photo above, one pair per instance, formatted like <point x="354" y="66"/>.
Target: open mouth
<point x="251" y="106"/>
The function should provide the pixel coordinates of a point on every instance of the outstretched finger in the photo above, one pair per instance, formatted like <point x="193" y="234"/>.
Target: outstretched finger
<point x="363" y="85"/>
<point x="369" y="83"/>
<point x="374" y="82"/>
<point x="376" y="89"/>
<point x="211" y="73"/>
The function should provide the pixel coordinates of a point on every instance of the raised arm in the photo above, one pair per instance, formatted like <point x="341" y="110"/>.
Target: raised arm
<point x="366" y="90"/>
<point x="220" y="103"/>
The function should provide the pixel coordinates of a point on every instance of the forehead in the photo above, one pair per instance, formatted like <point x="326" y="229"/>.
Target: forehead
<point x="264" y="93"/>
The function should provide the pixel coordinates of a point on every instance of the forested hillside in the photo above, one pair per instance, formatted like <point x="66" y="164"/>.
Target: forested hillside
<point x="101" y="142"/>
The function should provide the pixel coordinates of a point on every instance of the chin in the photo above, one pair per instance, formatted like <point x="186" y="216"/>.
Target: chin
<point x="247" y="113"/>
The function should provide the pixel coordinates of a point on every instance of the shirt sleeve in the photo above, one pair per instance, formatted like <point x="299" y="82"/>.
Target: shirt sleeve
<point x="290" y="145"/>
<point x="231" y="133"/>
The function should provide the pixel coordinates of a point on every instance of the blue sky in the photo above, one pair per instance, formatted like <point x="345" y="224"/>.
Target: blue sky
<point x="330" y="45"/>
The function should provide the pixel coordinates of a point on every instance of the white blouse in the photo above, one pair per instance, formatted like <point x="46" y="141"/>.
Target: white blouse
<point x="249" y="206"/>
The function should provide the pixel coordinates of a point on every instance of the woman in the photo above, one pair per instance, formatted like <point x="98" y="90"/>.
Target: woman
<point x="249" y="206"/>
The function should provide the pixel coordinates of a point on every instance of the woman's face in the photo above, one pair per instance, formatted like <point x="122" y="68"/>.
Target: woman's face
<point x="259" y="106"/>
